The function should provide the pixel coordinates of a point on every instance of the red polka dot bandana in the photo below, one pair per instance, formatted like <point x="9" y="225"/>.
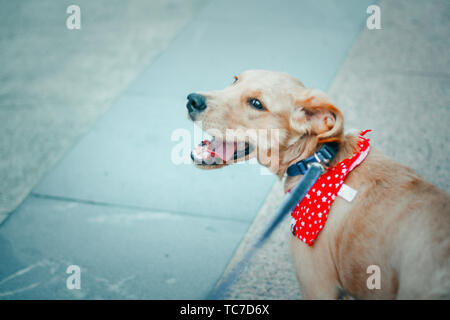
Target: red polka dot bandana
<point x="310" y="215"/>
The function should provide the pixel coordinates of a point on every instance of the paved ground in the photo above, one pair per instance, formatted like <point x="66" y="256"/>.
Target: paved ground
<point x="140" y="226"/>
<point x="56" y="82"/>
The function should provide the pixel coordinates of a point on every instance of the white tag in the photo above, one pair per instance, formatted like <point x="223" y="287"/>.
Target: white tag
<point x="347" y="193"/>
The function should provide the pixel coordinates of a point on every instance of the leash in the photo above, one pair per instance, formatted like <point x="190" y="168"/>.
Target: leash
<point x="311" y="168"/>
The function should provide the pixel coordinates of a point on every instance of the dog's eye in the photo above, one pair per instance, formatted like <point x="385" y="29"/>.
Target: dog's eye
<point x="256" y="104"/>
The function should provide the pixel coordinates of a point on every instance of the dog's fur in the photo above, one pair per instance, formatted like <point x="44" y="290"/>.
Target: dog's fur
<point x="397" y="221"/>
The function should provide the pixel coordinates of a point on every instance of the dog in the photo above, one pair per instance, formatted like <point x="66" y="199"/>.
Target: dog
<point x="397" y="222"/>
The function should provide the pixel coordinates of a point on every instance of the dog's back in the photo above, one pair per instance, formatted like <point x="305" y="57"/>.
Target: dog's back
<point x="400" y="223"/>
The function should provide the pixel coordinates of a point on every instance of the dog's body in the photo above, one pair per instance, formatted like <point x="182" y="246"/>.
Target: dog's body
<point x="397" y="222"/>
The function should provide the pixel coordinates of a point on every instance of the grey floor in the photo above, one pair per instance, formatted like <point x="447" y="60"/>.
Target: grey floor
<point x="56" y="82"/>
<point x="95" y="152"/>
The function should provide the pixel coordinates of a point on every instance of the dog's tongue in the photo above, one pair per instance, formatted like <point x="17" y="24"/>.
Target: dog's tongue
<point x="223" y="150"/>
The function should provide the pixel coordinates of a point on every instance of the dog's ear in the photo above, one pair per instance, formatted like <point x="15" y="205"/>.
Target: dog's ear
<point x="316" y="115"/>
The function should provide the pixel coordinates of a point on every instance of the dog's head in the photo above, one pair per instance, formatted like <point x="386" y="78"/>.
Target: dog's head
<point x="263" y="114"/>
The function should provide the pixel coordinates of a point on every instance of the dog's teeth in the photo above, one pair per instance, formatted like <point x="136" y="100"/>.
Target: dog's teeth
<point x="200" y="136"/>
<point x="207" y="136"/>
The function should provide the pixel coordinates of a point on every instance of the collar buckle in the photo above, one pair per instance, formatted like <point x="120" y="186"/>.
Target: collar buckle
<point x="322" y="158"/>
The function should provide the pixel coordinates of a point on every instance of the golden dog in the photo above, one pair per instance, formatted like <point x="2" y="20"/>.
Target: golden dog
<point x="397" y="221"/>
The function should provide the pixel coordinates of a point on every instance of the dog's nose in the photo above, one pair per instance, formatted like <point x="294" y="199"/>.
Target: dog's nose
<point x="196" y="102"/>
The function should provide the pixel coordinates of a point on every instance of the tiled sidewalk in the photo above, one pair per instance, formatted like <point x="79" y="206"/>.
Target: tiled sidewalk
<point x="56" y="82"/>
<point x="138" y="225"/>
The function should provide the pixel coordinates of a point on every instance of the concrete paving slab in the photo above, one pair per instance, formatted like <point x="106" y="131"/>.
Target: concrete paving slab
<point x="215" y="52"/>
<point x="122" y="253"/>
<point x="323" y="14"/>
<point x="413" y="40"/>
<point x="210" y="52"/>
<point x="56" y="82"/>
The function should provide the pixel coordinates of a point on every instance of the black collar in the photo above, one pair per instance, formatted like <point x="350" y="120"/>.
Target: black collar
<point x="326" y="153"/>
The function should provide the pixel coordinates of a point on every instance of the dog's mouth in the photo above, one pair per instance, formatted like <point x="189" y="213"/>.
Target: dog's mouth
<point x="217" y="152"/>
